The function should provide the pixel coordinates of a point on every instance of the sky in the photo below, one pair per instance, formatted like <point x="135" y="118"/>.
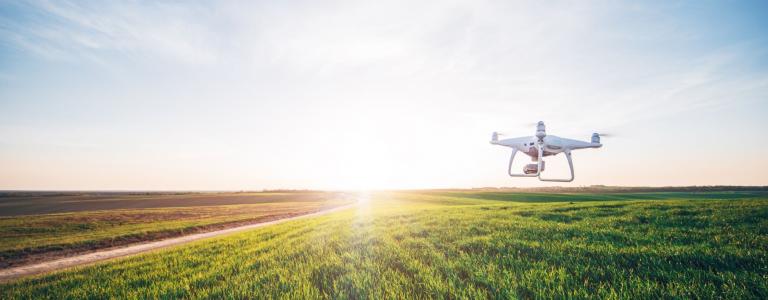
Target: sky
<point x="248" y="95"/>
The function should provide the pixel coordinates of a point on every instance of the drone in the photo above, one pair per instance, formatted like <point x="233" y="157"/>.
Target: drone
<point x="540" y="146"/>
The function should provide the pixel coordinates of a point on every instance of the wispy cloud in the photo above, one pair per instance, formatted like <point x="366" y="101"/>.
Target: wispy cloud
<point x="77" y="30"/>
<point x="552" y="59"/>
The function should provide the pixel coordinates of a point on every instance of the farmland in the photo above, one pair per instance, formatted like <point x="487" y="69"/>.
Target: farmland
<point x="91" y="221"/>
<point x="466" y="244"/>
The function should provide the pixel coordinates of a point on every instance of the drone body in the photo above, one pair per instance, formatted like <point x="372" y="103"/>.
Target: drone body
<point x="540" y="146"/>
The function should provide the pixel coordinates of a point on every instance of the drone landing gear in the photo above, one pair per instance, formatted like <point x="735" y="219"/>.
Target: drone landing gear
<point x="535" y="170"/>
<point x="570" y="165"/>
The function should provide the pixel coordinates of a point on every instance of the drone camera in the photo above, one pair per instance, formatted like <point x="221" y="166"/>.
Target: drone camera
<point x="532" y="168"/>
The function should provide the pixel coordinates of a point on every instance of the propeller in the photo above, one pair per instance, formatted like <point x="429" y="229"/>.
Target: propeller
<point x="525" y="128"/>
<point x="606" y="134"/>
<point x="508" y="133"/>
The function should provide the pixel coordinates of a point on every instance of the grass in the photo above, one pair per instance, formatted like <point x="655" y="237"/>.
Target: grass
<point x="28" y="237"/>
<point x="460" y="245"/>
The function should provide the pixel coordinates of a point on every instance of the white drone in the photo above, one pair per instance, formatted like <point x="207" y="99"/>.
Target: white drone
<point x="542" y="145"/>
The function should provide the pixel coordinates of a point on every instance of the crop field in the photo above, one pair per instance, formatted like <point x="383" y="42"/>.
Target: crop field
<point x="460" y="244"/>
<point x="35" y="203"/>
<point x="34" y="237"/>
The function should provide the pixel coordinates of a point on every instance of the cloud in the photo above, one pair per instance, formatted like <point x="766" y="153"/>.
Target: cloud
<point x="553" y="59"/>
<point x="70" y="31"/>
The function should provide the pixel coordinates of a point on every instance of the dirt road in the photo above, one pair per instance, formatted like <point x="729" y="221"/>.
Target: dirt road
<point x="84" y="259"/>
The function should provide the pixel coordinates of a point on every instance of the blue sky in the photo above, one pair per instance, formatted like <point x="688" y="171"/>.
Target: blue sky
<point x="351" y="94"/>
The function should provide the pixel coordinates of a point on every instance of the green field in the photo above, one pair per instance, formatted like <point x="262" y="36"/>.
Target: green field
<point x="454" y="244"/>
<point x="34" y="237"/>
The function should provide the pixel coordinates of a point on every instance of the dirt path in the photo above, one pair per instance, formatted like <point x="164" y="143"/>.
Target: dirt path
<point x="89" y="258"/>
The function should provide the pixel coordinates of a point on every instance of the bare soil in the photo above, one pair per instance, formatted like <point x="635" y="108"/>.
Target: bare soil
<point x="34" y="203"/>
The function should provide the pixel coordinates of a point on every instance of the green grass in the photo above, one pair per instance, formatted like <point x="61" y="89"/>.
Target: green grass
<point x="22" y="237"/>
<point x="460" y="245"/>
